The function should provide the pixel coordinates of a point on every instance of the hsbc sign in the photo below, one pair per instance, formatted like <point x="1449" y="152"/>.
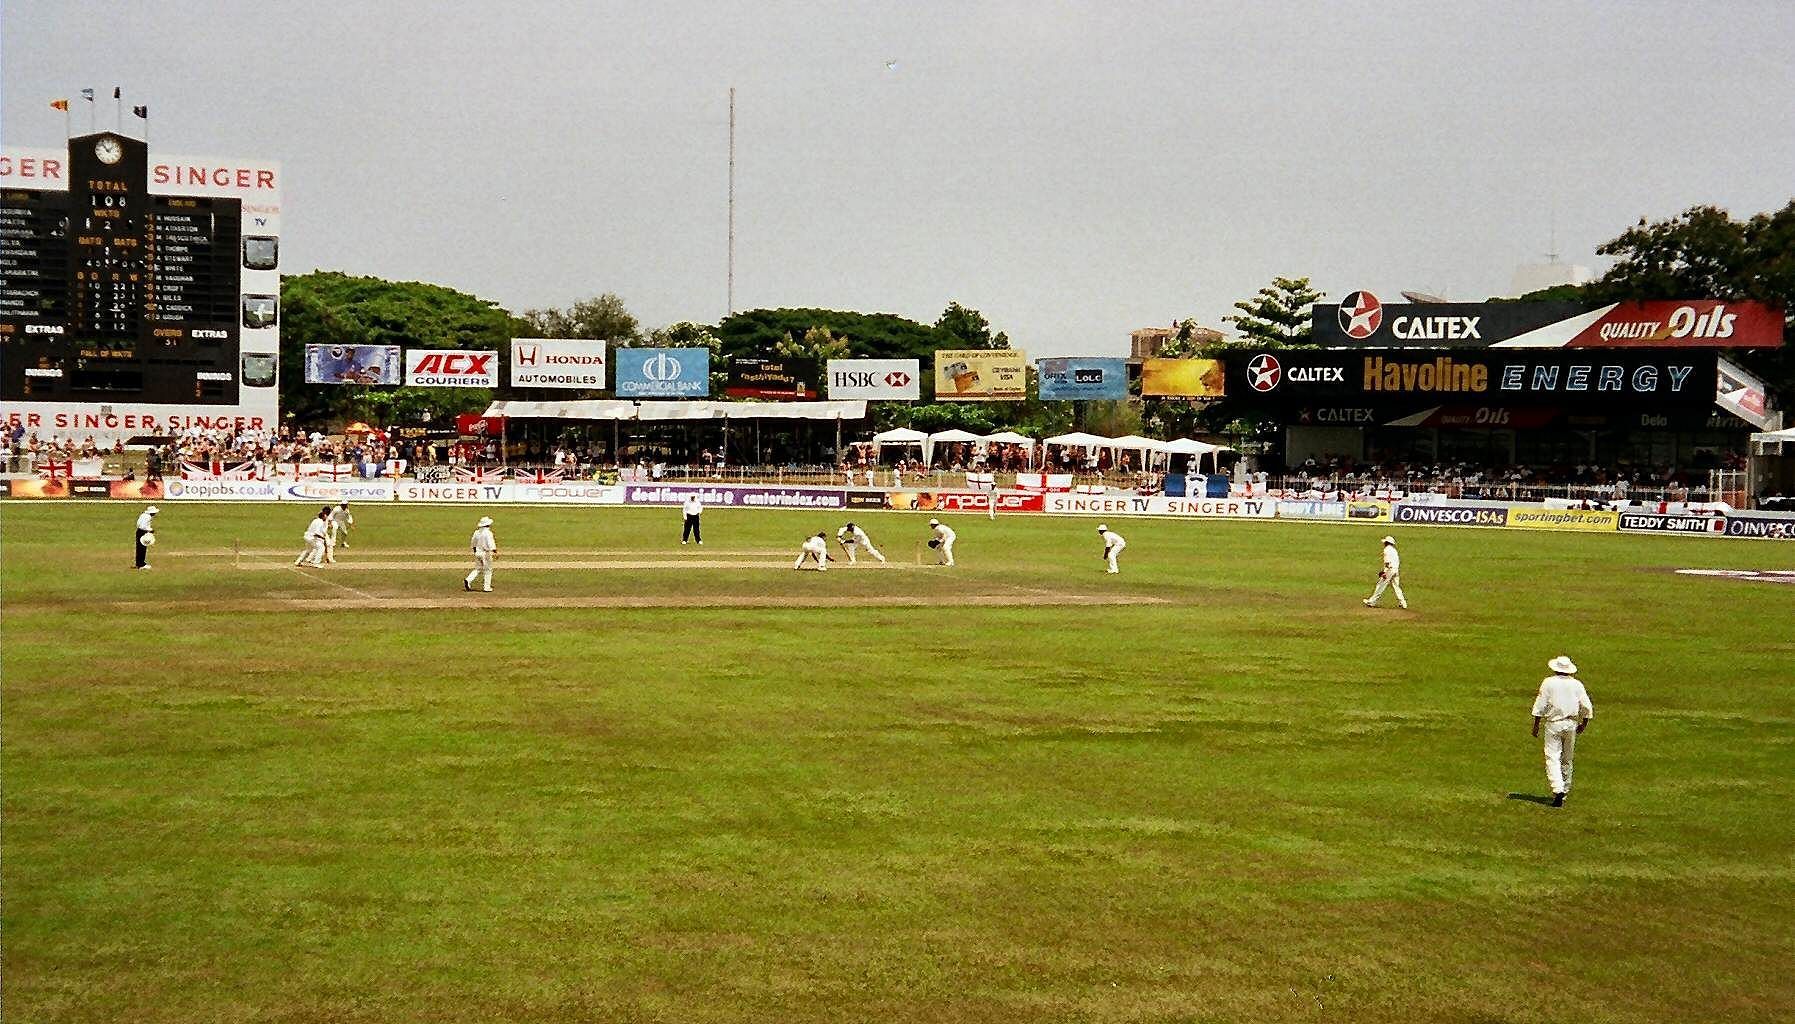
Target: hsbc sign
<point x="892" y="380"/>
<point x="557" y="363"/>
<point x="451" y="368"/>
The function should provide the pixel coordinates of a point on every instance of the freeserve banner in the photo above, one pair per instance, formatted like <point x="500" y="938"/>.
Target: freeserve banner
<point x="878" y="380"/>
<point x="451" y="368"/>
<point x="557" y="363"/>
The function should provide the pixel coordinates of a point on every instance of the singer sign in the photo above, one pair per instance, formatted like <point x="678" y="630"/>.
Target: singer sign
<point x="557" y="363"/>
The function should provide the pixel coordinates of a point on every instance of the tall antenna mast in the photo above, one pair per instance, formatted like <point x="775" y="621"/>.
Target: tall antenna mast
<point x="732" y="199"/>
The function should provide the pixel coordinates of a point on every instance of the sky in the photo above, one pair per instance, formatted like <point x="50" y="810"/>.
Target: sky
<point x="1073" y="170"/>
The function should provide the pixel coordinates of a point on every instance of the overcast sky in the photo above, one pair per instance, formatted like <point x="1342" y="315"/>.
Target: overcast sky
<point x="1073" y="170"/>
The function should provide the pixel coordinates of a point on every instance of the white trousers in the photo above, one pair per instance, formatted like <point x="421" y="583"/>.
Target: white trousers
<point x="1394" y="582"/>
<point x="822" y="561"/>
<point x="1561" y="744"/>
<point x="313" y="553"/>
<point x="482" y="565"/>
<point x="1113" y="552"/>
<point x="947" y="552"/>
<point x="853" y="546"/>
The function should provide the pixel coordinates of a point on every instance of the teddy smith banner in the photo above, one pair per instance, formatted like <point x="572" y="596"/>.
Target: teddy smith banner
<point x="1362" y="320"/>
<point x="1502" y="377"/>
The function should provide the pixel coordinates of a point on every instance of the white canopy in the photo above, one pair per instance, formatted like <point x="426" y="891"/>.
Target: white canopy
<point x="585" y="409"/>
<point x="1007" y="437"/>
<point x="1187" y="446"/>
<point x="1080" y="440"/>
<point x="1135" y="442"/>
<point x="900" y="435"/>
<point x="954" y="435"/>
<point x="1775" y="435"/>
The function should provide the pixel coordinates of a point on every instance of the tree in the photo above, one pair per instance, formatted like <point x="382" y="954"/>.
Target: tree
<point x="961" y="327"/>
<point x="331" y="308"/>
<point x="1279" y="314"/>
<point x="1703" y="253"/>
<point x="604" y="318"/>
<point x="818" y="344"/>
<point x="686" y="334"/>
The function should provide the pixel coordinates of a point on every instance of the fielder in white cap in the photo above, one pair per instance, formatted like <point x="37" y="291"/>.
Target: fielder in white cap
<point x="1389" y="576"/>
<point x="485" y="549"/>
<point x="1563" y="706"/>
<point x="146" y="535"/>
<point x="943" y="541"/>
<point x="817" y="548"/>
<point x="1112" y="546"/>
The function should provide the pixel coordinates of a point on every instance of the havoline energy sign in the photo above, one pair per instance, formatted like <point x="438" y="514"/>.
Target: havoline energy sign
<point x="1500" y="377"/>
<point x="1362" y="320"/>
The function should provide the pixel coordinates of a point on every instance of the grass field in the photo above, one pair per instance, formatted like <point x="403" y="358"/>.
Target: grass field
<point x="647" y="783"/>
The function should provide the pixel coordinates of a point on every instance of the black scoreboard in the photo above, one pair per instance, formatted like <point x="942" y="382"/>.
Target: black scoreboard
<point x="109" y="293"/>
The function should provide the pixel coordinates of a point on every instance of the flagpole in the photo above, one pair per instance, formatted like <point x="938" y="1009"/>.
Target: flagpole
<point x="118" y="110"/>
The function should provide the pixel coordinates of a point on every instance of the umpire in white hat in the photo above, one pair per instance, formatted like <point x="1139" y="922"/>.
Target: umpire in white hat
<point x="1563" y="707"/>
<point x="146" y="535"/>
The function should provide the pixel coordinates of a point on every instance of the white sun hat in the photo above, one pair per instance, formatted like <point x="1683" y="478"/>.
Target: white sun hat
<point x="1563" y="666"/>
<point x="484" y="521"/>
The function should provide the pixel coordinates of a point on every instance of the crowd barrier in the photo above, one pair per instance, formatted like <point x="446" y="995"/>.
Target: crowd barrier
<point x="1418" y="510"/>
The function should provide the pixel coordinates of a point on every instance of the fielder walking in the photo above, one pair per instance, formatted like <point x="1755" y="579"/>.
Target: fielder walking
<point x="693" y="508"/>
<point x="943" y="541"/>
<point x="1563" y="706"/>
<point x="337" y="530"/>
<point x="1112" y="546"/>
<point x="816" y="547"/>
<point x="1389" y="576"/>
<point x="851" y="538"/>
<point x="146" y="535"/>
<point x="315" y="533"/>
<point x="485" y="549"/>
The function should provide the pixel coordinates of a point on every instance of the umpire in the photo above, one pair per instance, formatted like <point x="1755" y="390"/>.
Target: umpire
<point x="693" y="508"/>
<point x="146" y="535"/>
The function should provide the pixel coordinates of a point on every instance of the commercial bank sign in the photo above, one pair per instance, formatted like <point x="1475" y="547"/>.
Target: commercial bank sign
<point x="663" y="372"/>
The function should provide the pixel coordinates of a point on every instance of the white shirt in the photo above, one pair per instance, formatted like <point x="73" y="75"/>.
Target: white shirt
<point x="854" y="536"/>
<point x="693" y="506"/>
<point x="1561" y="698"/>
<point x="315" y="529"/>
<point x="1392" y="560"/>
<point x="146" y="523"/>
<point x="1112" y="541"/>
<point x="816" y="546"/>
<point x="341" y="515"/>
<point x="482" y="541"/>
<point x="943" y="533"/>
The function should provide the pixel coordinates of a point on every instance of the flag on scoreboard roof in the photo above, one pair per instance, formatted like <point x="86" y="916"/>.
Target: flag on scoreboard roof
<point x="478" y="475"/>
<point x="87" y="94"/>
<point x="538" y="476"/>
<point x="62" y="105"/>
<point x="116" y="93"/>
<point x="143" y="112"/>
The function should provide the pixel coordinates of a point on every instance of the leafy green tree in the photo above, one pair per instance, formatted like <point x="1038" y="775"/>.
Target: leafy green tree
<point x="1278" y="315"/>
<point x="818" y="344"/>
<point x="604" y="318"/>
<point x="331" y="308"/>
<point x="961" y="327"/>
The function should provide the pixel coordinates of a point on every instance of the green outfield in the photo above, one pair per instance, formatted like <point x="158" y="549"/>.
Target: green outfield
<point x="641" y="782"/>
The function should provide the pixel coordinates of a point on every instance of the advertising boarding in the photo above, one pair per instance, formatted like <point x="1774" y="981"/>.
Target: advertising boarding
<point x="1082" y="378"/>
<point x="877" y="380"/>
<point x="663" y="372"/>
<point x="557" y="363"/>
<point x="981" y="375"/>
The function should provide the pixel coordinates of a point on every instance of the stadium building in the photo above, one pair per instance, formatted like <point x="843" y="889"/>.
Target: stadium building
<point x="1644" y="384"/>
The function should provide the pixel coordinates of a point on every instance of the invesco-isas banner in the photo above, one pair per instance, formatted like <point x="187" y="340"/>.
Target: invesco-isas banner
<point x="1363" y="320"/>
<point x="1559" y="377"/>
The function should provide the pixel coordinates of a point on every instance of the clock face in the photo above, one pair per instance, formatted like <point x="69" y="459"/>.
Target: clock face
<point x="108" y="150"/>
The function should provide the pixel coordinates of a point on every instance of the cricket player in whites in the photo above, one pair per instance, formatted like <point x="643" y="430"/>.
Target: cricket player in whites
<point x="337" y="530"/>
<point x="1563" y="705"/>
<point x="1390" y="576"/>
<point x="851" y="538"/>
<point x="485" y="550"/>
<point x="943" y="540"/>
<point x="1112" y="546"/>
<point x="816" y="547"/>
<point x="315" y="532"/>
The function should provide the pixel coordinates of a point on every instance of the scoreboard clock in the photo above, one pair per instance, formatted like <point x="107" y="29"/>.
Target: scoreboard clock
<point x="113" y="295"/>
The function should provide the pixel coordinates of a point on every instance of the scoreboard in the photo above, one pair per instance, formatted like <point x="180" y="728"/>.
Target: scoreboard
<point x="137" y="297"/>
